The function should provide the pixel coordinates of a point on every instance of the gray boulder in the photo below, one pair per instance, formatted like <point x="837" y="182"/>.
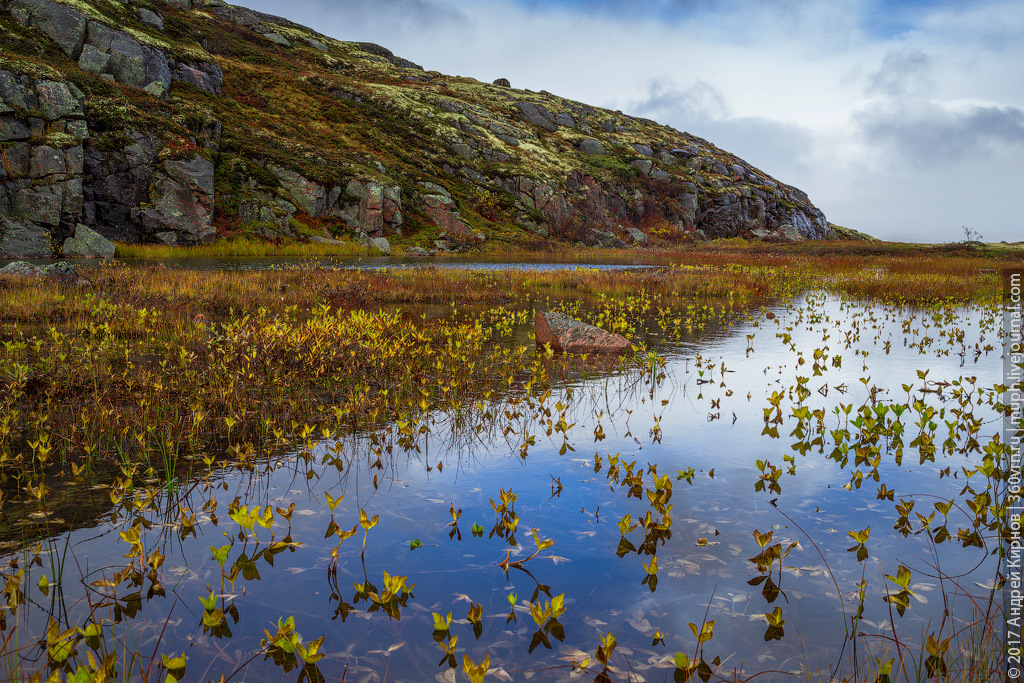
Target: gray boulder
<point x="40" y="205"/>
<point x="667" y="159"/>
<point x="87" y="243"/>
<point x="64" y="25"/>
<point x="314" y="43"/>
<point x="645" y="166"/>
<point x="416" y="251"/>
<point x="601" y="238"/>
<point x="636" y="237"/>
<point x="389" y="56"/>
<point x="278" y="39"/>
<point x="203" y="75"/>
<point x="807" y="221"/>
<point x="94" y="60"/>
<point x="790" y="232"/>
<point x="13" y="93"/>
<point x="381" y="244"/>
<point x="538" y="115"/>
<point x="21" y="269"/>
<point x="181" y="200"/>
<point x="503" y="82"/>
<point x="61" y="270"/>
<point x="21" y="239"/>
<point x="150" y="17"/>
<point x="308" y="196"/>
<point x="56" y="100"/>
<point x="591" y="146"/>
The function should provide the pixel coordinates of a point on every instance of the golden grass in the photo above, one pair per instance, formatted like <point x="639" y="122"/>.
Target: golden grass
<point x="243" y="248"/>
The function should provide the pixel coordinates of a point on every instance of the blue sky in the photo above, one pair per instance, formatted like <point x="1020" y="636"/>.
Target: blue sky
<point x="902" y="119"/>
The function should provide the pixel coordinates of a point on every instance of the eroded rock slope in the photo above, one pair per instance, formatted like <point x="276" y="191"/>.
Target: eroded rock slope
<point x="180" y="121"/>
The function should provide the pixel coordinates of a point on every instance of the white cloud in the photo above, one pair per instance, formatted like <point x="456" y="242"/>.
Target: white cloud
<point x="904" y="125"/>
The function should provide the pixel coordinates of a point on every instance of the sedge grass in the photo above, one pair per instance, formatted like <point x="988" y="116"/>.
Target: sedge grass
<point x="245" y="248"/>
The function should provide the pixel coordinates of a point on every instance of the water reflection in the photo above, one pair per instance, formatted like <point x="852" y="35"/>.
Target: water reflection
<point x="726" y="522"/>
<point x="387" y="262"/>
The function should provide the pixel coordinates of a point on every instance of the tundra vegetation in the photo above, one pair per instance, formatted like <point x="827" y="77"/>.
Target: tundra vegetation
<point x="798" y="473"/>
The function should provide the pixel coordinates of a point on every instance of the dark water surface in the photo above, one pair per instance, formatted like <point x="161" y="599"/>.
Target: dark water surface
<point x="707" y="414"/>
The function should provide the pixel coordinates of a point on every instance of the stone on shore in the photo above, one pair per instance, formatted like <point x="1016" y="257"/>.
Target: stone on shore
<point x="88" y="243"/>
<point x="572" y="336"/>
<point x="61" y="270"/>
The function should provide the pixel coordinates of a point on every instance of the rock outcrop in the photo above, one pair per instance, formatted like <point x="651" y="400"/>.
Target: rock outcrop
<point x="62" y="270"/>
<point x="86" y="243"/>
<point x="177" y="121"/>
<point x="568" y="335"/>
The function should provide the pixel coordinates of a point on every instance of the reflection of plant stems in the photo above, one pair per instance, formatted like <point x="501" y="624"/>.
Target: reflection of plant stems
<point x="505" y="564"/>
<point x="156" y="647"/>
<point x="792" y="521"/>
<point x="698" y="653"/>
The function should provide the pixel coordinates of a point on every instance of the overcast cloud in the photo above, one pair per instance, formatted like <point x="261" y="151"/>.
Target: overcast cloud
<point x="902" y="119"/>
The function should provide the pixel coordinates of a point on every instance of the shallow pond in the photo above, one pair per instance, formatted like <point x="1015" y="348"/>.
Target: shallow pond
<point x="658" y="486"/>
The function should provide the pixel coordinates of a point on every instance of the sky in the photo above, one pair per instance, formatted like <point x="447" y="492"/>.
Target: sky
<point x="904" y="120"/>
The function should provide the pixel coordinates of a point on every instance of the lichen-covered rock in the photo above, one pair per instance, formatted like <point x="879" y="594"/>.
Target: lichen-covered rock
<point x="87" y="243"/>
<point x="567" y="335"/>
<point x="40" y="205"/>
<point x="537" y="114"/>
<point x="591" y="146"/>
<point x="381" y="244"/>
<point x="64" y="25"/>
<point x="181" y="200"/>
<point x="309" y="196"/>
<point x="203" y="75"/>
<point x="150" y="17"/>
<point x="602" y="238"/>
<point x="442" y="210"/>
<point x="637" y="237"/>
<point x="62" y="270"/>
<point x="21" y="269"/>
<point x="56" y="100"/>
<point x="22" y="239"/>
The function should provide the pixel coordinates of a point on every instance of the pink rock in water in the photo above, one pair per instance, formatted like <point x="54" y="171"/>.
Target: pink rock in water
<point x="572" y="336"/>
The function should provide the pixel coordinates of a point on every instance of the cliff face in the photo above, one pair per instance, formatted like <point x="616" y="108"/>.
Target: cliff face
<point x="183" y="120"/>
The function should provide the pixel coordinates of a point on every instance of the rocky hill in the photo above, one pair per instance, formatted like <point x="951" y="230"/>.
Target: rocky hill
<point x="186" y="120"/>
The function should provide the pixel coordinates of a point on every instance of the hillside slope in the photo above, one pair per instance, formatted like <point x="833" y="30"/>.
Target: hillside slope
<point x="186" y="120"/>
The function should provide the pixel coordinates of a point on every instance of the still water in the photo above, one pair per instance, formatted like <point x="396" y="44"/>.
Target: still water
<point x="703" y="431"/>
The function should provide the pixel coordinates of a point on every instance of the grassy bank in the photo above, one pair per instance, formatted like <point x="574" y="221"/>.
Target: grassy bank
<point x="103" y="363"/>
<point x="245" y="248"/>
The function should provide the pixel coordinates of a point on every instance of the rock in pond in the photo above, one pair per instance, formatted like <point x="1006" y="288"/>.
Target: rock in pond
<point x="572" y="336"/>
